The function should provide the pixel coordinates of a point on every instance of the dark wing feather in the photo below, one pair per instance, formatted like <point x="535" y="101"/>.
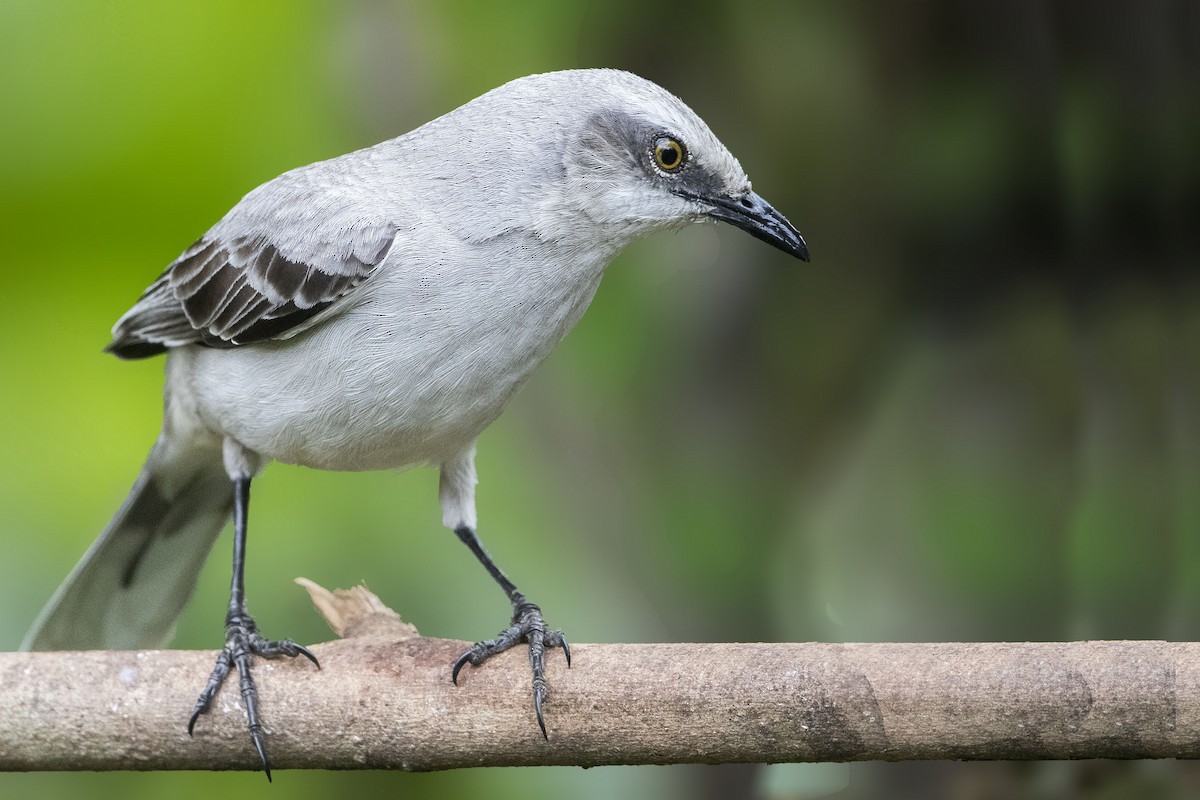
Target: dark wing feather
<point x="225" y="294"/>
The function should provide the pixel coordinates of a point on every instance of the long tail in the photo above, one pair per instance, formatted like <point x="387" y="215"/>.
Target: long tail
<point x="131" y="585"/>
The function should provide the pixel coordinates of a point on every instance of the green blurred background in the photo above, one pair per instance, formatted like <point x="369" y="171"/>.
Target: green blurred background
<point x="975" y="416"/>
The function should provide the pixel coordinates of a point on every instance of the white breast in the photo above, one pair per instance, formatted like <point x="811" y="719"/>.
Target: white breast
<point x="427" y="354"/>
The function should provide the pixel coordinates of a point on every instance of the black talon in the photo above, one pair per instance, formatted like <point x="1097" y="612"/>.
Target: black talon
<point x="562" y="642"/>
<point x="537" y="705"/>
<point x="304" y="651"/>
<point x="262" y="755"/>
<point x="459" y="664"/>
<point x="257" y="738"/>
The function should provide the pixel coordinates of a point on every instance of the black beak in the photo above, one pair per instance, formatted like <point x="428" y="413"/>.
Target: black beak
<point x="758" y="218"/>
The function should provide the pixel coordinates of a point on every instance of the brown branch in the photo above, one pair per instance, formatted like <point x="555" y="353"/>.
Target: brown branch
<point x="384" y="700"/>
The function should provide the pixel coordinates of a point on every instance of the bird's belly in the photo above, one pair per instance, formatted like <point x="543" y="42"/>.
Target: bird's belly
<point x="372" y="391"/>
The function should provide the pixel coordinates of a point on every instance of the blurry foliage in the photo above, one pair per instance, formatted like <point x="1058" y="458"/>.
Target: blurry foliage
<point x="974" y="416"/>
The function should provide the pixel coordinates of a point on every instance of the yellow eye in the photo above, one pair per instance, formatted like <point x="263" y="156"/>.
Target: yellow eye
<point x="669" y="154"/>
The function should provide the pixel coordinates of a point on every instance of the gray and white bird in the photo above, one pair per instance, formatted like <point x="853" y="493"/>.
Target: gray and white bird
<point x="378" y="311"/>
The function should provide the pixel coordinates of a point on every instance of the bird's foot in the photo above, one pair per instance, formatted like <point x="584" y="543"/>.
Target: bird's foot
<point x="527" y="626"/>
<point x="243" y="640"/>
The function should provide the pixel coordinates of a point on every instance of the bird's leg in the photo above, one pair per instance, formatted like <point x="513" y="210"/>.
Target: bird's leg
<point x="242" y="638"/>
<point x="527" y="626"/>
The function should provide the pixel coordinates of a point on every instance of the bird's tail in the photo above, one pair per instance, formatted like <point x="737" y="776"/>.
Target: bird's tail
<point x="131" y="585"/>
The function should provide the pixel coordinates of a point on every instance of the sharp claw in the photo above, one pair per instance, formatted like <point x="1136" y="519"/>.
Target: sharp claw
<point x="458" y="665"/>
<point x="262" y="755"/>
<point x="537" y="704"/>
<point x="304" y="651"/>
<point x="192" y="721"/>
<point x="566" y="649"/>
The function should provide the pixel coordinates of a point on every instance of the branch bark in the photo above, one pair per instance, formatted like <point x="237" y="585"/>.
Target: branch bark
<point x="384" y="700"/>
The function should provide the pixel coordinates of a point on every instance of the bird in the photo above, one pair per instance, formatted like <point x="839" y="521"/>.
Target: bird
<point x="378" y="310"/>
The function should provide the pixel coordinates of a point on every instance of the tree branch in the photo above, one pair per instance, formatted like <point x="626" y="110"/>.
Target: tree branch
<point x="384" y="700"/>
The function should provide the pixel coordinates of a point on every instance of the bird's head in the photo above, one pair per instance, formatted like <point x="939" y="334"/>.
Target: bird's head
<point x="641" y="158"/>
<point x="589" y="157"/>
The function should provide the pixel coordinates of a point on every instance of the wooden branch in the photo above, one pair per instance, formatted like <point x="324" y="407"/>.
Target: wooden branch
<point x="384" y="700"/>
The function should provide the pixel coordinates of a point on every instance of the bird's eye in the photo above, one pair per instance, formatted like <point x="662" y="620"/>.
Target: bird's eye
<point x="669" y="154"/>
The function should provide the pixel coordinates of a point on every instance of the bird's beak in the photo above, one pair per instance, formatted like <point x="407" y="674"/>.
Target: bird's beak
<point x="758" y="218"/>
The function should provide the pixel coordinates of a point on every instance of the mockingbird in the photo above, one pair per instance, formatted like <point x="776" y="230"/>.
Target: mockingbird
<point x="378" y="311"/>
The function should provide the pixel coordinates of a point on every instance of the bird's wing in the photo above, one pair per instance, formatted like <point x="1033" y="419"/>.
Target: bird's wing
<point x="288" y="252"/>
